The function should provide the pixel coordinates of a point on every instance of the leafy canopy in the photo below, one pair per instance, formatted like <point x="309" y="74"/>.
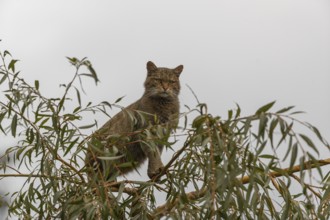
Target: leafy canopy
<point x="223" y="167"/>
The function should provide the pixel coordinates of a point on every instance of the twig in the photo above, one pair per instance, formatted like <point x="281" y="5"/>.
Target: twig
<point x="175" y="156"/>
<point x="307" y="185"/>
<point x="194" y="94"/>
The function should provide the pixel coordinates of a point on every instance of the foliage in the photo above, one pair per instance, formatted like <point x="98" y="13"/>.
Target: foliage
<point x="225" y="169"/>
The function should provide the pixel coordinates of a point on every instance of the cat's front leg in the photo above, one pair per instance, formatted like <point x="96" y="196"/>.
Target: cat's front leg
<point x="155" y="164"/>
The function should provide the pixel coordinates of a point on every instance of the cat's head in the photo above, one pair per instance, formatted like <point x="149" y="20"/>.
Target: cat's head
<point x="162" y="82"/>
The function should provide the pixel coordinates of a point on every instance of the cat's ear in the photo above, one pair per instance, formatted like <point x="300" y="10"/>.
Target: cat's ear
<point x="178" y="70"/>
<point x="151" y="67"/>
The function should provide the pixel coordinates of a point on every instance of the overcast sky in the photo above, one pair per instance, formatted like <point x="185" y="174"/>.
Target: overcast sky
<point x="248" y="52"/>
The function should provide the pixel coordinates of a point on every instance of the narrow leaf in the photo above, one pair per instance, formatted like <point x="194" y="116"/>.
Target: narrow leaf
<point x="14" y="125"/>
<point x="294" y="154"/>
<point x="87" y="126"/>
<point x="72" y="60"/>
<point x="285" y="109"/>
<point x="6" y="53"/>
<point x="11" y="65"/>
<point x="119" y="99"/>
<point x="265" y="108"/>
<point x="3" y="79"/>
<point x="309" y="142"/>
<point x="111" y="158"/>
<point x="36" y="84"/>
<point x="78" y="96"/>
<point x="92" y="71"/>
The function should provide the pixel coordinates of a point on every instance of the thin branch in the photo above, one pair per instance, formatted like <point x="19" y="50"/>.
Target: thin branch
<point x="287" y="171"/>
<point x="307" y="185"/>
<point x="169" y="164"/>
<point x="194" y="94"/>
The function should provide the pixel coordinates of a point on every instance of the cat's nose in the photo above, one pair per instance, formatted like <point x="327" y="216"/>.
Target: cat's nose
<point x="165" y="86"/>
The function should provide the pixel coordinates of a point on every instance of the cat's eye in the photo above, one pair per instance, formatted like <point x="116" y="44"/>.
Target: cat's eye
<point x="172" y="81"/>
<point x="158" y="80"/>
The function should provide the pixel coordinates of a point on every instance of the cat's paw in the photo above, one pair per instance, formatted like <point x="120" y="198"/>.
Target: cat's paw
<point x="155" y="172"/>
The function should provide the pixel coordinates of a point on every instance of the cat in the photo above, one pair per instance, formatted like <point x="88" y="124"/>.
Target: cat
<point x="121" y="136"/>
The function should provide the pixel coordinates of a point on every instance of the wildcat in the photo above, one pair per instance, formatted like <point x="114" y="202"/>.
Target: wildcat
<point x="121" y="136"/>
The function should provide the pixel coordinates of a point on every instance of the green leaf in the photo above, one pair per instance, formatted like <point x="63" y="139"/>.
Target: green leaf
<point x="111" y="158"/>
<point x="92" y="71"/>
<point x="10" y="98"/>
<point x="261" y="147"/>
<point x="285" y="109"/>
<point x="70" y="146"/>
<point x="268" y="156"/>
<point x="297" y="112"/>
<point x="247" y="125"/>
<point x="206" y="141"/>
<point x="120" y="191"/>
<point x="318" y="134"/>
<point x="76" y="109"/>
<point x="272" y="127"/>
<point x="2" y="116"/>
<point x="294" y="154"/>
<point x="48" y="128"/>
<point x="262" y="125"/>
<point x="87" y="126"/>
<point x="36" y="84"/>
<point x="30" y="135"/>
<point x="78" y="96"/>
<point x="285" y="130"/>
<point x="5" y="53"/>
<point x="3" y="79"/>
<point x="86" y="74"/>
<point x="73" y="60"/>
<point x="119" y="99"/>
<point x="60" y="104"/>
<point x="238" y="111"/>
<point x="89" y="66"/>
<point x="326" y="196"/>
<point x="11" y="65"/>
<point x="14" y="125"/>
<point x="309" y="142"/>
<point x="199" y="121"/>
<point x="265" y="108"/>
<point x="230" y="114"/>
<point x="55" y="122"/>
<point x="44" y="121"/>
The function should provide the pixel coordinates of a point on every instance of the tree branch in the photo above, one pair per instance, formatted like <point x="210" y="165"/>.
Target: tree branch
<point x="287" y="171"/>
<point x="194" y="195"/>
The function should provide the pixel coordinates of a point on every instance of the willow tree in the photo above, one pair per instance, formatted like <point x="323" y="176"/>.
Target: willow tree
<point x="229" y="167"/>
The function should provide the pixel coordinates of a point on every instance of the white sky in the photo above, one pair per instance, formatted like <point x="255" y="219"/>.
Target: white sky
<point x="245" y="51"/>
